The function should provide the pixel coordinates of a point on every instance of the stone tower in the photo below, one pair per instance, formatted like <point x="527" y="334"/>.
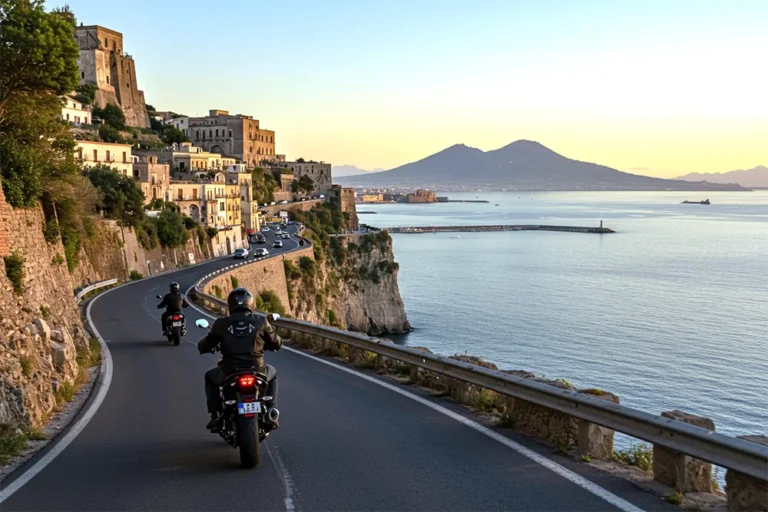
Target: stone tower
<point x="103" y="63"/>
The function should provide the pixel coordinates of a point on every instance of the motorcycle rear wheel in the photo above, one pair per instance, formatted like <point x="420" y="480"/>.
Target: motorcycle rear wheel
<point x="247" y="441"/>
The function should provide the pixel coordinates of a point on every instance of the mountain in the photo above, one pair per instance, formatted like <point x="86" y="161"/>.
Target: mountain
<point x="522" y="165"/>
<point x="340" y="171"/>
<point x="755" y="177"/>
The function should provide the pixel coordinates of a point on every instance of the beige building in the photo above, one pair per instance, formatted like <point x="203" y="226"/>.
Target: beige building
<point x="320" y="172"/>
<point x="248" y="208"/>
<point x="238" y="136"/>
<point x="344" y="199"/>
<point x="74" y="112"/>
<point x="213" y="204"/>
<point x="153" y="177"/>
<point x="103" y="63"/>
<point x="110" y="154"/>
<point x="188" y="158"/>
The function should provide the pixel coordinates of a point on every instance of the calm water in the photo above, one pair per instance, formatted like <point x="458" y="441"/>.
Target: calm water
<point x="669" y="313"/>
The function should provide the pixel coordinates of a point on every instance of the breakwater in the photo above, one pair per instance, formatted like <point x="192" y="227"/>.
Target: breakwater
<point x="498" y="227"/>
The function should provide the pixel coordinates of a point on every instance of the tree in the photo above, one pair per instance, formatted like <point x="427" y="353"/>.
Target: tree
<point x="38" y="51"/>
<point x="121" y="197"/>
<point x="38" y="57"/>
<point x="150" y="108"/>
<point x="109" y="134"/>
<point x="171" y="134"/>
<point x="86" y="93"/>
<point x="300" y="160"/>
<point x="111" y="115"/>
<point x="171" y="229"/>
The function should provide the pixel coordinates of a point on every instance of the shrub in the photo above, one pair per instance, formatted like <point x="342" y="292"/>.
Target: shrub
<point x="269" y="302"/>
<point x="112" y="115"/>
<point x="26" y="366"/>
<point x="108" y="133"/>
<point x="211" y="232"/>
<point x="307" y="265"/>
<point x="171" y="230"/>
<point x="11" y="443"/>
<point x="640" y="455"/>
<point x="291" y="271"/>
<point x="675" y="498"/>
<point x="57" y="260"/>
<point x="190" y="223"/>
<point x="45" y="311"/>
<point x="135" y="275"/>
<point x="235" y="282"/>
<point x="14" y="270"/>
<point x="86" y="93"/>
<point x="65" y="393"/>
<point x="217" y="291"/>
<point x="51" y="232"/>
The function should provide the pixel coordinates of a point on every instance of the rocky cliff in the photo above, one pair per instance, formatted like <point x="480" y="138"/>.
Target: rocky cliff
<point x="42" y="342"/>
<point x="353" y="286"/>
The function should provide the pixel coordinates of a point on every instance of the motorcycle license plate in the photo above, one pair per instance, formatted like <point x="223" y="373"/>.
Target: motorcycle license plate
<point x="249" y="408"/>
<point x="177" y="324"/>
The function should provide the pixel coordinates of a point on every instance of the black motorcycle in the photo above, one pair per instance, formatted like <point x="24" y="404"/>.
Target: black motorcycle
<point x="245" y="411"/>
<point x="175" y="326"/>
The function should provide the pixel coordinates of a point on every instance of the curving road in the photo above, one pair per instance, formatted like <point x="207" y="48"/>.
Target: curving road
<point x="345" y="442"/>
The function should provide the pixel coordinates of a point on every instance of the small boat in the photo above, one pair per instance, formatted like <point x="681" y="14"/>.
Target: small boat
<point x="706" y="201"/>
<point x="497" y="205"/>
<point x="456" y="237"/>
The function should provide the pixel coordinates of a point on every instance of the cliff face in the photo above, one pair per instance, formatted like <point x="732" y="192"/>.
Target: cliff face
<point x="41" y="336"/>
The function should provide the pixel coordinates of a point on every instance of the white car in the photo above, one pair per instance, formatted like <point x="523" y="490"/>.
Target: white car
<point x="260" y="253"/>
<point x="277" y="244"/>
<point x="265" y="229"/>
<point x="286" y="236"/>
<point x="283" y="202"/>
<point x="240" y="254"/>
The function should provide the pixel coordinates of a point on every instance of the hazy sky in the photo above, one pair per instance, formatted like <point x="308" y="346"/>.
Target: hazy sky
<point x="654" y="87"/>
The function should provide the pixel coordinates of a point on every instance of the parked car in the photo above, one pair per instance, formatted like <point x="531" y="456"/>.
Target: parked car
<point x="278" y="244"/>
<point x="283" y="202"/>
<point x="285" y="236"/>
<point x="240" y="254"/>
<point x="265" y="229"/>
<point x="260" y="252"/>
<point x="260" y="239"/>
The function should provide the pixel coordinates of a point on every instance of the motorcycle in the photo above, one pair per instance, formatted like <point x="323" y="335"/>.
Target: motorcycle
<point x="175" y="326"/>
<point x="246" y="412"/>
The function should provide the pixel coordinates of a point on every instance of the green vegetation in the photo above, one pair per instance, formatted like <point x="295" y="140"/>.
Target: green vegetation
<point x="170" y="134"/>
<point x="95" y="347"/>
<point x="217" y="291"/>
<point x="87" y="358"/>
<point x="320" y="222"/>
<point x="112" y="115"/>
<point x="12" y="443"/>
<point x="264" y="185"/>
<point x="51" y="232"/>
<point x="121" y="197"/>
<point x="586" y="458"/>
<point x="65" y="393"/>
<point x="37" y="434"/>
<point x="135" y="275"/>
<point x="675" y="498"/>
<point x="86" y="93"/>
<point x="211" y="232"/>
<point x="39" y="55"/>
<point x="108" y="133"/>
<point x="640" y="455"/>
<point x="45" y="311"/>
<point x="171" y="229"/>
<point x="14" y="270"/>
<point x="26" y="366"/>
<point x="303" y="185"/>
<point x="268" y="302"/>
<point x="307" y="266"/>
<point x="594" y="391"/>
<point x="291" y="271"/>
<point x="235" y="282"/>
<point x="57" y="260"/>
<point x="563" y="381"/>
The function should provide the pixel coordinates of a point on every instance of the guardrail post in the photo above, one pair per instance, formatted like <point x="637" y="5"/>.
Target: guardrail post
<point x="684" y="473"/>
<point x="595" y="441"/>
<point x="744" y="492"/>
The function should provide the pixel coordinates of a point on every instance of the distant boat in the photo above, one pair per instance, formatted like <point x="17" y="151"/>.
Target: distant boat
<point x="455" y="237"/>
<point x="706" y="201"/>
<point x="497" y="205"/>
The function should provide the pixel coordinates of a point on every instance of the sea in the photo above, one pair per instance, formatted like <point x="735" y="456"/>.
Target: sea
<point x="670" y="312"/>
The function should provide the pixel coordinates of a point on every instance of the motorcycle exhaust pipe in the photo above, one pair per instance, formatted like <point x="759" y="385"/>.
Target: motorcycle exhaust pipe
<point x="273" y="414"/>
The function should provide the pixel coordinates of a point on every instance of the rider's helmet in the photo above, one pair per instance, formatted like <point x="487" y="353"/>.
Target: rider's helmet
<point x="240" y="299"/>
<point x="174" y="287"/>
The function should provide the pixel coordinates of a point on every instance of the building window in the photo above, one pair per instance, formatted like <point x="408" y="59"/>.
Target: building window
<point x="107" y="155"/>
<point x="67" y="117"/>
<point x="106" y="43"/>
<point x="95" y="155"/>
<point x="125" y="157"/>
<point x="222" y="207"/>
<point x="217" y="132"/>
<point x="82" y="74"/>
<point x="107" y="79"/>
<point x="230" y="133"/>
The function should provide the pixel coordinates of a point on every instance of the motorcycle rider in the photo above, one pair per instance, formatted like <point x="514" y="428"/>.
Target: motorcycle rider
<point x="173" y="302"/>
<point x="242" y="338"/>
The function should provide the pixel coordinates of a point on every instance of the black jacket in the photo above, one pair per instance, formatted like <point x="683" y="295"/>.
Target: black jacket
<point x="173" y="302"/>
<point x="242" y="338"/>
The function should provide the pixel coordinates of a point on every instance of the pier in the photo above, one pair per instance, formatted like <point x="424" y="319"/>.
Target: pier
<point x="499" y="227"/>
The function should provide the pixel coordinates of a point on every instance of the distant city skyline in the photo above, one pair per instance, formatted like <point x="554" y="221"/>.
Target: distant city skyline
<point x="649" y="87"/>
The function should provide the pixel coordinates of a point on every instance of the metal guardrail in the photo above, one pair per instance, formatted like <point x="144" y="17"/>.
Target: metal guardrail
<point x="82" y="293"/>
<point x="719" y="449"/>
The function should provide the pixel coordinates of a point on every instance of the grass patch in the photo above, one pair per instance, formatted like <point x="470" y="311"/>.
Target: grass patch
<point x="486" y="400"/>
<point x="639" y="455"/>
<point x="95" y="351"/>
<point x="217" y="291"/>
<point x="369" y="360"/>
<point x="675" y="498"/>
<point x="586" y="458"/>
<point x="563" y="381"/>
<point x="14" y="270"/>
<point x="45" y="311"/>
<point x="135" y="275"/>
<point x="65" y="393"/>
<point x="57" y="260"/>
<point x="26" y="366"/>
<point x="11" y="444"/>
<point x="37" y="434"/>
<point x="235" y="282"/>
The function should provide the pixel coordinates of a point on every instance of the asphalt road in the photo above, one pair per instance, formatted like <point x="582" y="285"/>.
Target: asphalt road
<point x="345" y="442"/>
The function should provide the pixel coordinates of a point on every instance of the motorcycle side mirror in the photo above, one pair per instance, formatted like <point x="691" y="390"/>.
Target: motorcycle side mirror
<point x="159" y="296"/>
<point x="202" y="323"/>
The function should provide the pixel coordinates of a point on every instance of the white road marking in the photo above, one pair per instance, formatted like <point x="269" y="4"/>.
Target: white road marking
<point x="564" y="472"/>
<point x="286" y="477"/>
<point x="106" y="376"/>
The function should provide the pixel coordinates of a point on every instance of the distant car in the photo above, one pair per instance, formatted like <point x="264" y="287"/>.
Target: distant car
<point x="260" y="239"/>
<point x="303" y="199"/>
<point x="272" y="203"/>
<point x="278" y="244"/>
<point x="260" y="252"/>
<point x="321" y="196"/>
<point x="291" y="222"/>
<point x="240" y="254"/>
<point x="286" y="236"/>
<point x="283" y="202"/>
<point x="265" y="229"/>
